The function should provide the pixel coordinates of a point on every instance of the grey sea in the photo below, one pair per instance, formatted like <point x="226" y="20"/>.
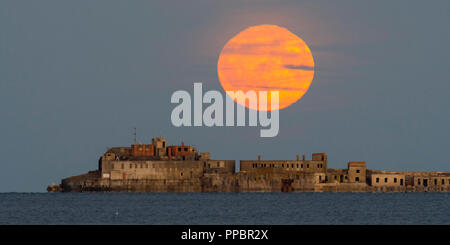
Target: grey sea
<point x="225" y="208"/>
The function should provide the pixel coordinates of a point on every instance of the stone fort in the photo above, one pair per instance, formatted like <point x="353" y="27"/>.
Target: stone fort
<point x="158" y="167"/>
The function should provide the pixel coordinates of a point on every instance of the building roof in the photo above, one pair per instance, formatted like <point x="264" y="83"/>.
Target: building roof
<point x="357" y="163"/>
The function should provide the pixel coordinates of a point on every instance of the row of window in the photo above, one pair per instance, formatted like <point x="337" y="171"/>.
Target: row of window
<point x="132" y="165"/>
<point x="425" y="182"/>
<point x="287" y="165"/>
<point x="341" y="178"/>
<point x="419" y="182"/>
<point x="135" y="165"/>
<point x="146" y="165"/>
<point x="146" y="149"/>
<point x="304" y="180"/>
<point x="386" y="180"/>
<point x="209" y="165"/>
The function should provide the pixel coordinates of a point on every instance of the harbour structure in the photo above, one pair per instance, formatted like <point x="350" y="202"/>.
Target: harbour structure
<point x="158" y="167"/>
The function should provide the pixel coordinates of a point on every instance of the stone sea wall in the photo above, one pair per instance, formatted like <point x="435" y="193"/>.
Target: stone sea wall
<point x="239" y="182"/>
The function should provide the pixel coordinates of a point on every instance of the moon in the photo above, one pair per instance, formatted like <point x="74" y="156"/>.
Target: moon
<point x="266" y="58"/>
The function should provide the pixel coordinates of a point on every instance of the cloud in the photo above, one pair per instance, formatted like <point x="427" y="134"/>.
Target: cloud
<point x="272" y="88"/>
<point x="300" y="67"/>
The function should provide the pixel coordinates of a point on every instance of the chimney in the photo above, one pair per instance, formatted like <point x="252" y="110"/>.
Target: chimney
<point x="303" y="157"/>
<point x="182" y="143"/>
<point x="298" y="157"/>
<point x="259" y="158"/>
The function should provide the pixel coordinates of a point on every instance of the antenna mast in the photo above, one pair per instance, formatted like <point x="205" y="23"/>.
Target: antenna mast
<point x="135" y="139"/>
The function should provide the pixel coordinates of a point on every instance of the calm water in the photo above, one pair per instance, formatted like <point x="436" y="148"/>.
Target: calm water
<point x="225" y="208"/>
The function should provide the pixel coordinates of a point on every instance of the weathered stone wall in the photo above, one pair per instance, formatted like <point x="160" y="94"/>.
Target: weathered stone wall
<point x="161" y="170"/>
<point x="128" y="170"/>
<point x="387" y="180"/>
<point x="336" y="176"/>
<point x="341" y="187"/>
<point x="356" y="172"/>
<point x="408" y="181"/>
<point x="263" y="181"/>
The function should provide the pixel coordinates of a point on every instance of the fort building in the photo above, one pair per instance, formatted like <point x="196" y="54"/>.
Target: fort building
<point x="158" y="167"/>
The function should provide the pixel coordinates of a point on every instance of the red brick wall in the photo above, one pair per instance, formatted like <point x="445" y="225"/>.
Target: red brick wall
<point x="179" y="150"/>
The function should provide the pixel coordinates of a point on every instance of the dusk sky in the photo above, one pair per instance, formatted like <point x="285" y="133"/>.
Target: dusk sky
<point x="77" y="76"/>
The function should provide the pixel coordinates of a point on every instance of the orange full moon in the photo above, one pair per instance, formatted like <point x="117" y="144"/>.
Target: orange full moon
<point x="267" y="58"/>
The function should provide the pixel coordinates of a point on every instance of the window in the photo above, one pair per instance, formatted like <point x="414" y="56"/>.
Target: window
<point x="357" y="179"/>
<point x="301" y="165"/>
<point x="435" y="181"/>
<point x="318" y="165"/>
<point x="181" y="173"/>
<point x="385" y="180"/>
<point x="179" y="148"/>
<point x="131" y="165"/>
<point x="122" y="166"/>
<point x="282" y="165"/>
<point x="185" y="149"/>
<point x="443" y="182"/>
<point x="297" y="165"/>
<point x="335" y="177"/>
<point x="218" y="164"/>
<point x="307" y="165"/>
<point x="401" y="181"/>
<point x="378" y="180"/>
<point x="418" y="181"/>
<point x="292" y="166"/>
<point x="395" y="180"/>
<point x="357" y="171"/>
